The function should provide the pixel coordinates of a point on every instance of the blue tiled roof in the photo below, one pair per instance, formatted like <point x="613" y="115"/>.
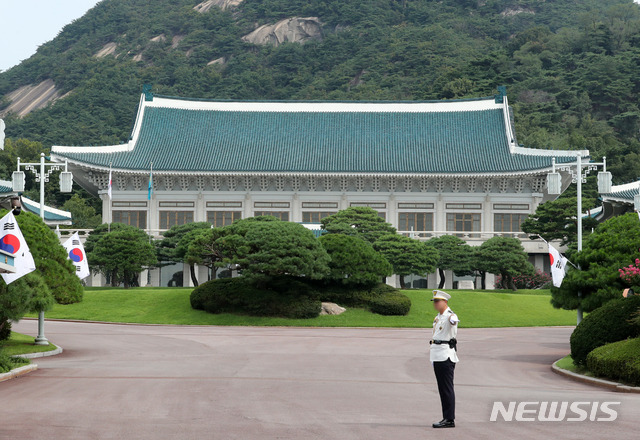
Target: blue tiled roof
<point x="625" y="194"/>
<point x="196" y="140"/>
<point x="50" y="214"/>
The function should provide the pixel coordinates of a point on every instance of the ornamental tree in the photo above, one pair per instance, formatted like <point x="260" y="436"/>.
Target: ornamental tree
<point x="52" y="260"/>
<point x="614" y="244"/>
<point x="506" y="257"/>
<point x="556" y="220"/>
<point x="123" y="254"/>
<point x="407" y="255"/>
<point x="173" y="247"/>
<point x="359" y="221"/>
<point x="29" y="293"/>
<point x="454" y="254"/>
<point x="267" y="247"/>
<point x="354" y="261"/>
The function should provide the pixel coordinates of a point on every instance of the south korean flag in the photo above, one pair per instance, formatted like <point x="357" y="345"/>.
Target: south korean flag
<point x="75" y="252"/>
<point x="13" y="242"/>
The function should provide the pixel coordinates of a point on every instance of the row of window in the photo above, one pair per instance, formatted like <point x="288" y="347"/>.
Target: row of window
<point x="407" y="221"/>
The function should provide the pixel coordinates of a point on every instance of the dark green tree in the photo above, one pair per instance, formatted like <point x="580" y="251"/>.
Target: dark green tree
<point x="556" y="220"/>
<point x="358" y="221"/>
<point x="506" y="257"/>
<point x="354" y="261"/>
<point x="52" y="260"/>
<point x="173" y="247"/>
<point x="613" y="245"/>
<point x="453" y="254"/>
<point x="29" y="293"/>
<point x="407" y="255"/>
<point x="123" y="254"/>
<point x="83" y="215"/>
<point x="265" y="248"/>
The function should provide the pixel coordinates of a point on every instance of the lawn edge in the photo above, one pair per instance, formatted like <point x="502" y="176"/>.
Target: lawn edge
<point x="594" y="381"/>
<point x="41" y="354"/>
<point x="17" y="372"/>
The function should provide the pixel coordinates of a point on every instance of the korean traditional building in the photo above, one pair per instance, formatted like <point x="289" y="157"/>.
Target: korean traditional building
<point x="428" y="168"/>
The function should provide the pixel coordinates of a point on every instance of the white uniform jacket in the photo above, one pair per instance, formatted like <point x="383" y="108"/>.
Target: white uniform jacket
<point x="445" y="328"/>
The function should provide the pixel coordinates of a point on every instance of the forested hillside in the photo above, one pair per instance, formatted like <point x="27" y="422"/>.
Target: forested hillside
<point x="571" y="67"/>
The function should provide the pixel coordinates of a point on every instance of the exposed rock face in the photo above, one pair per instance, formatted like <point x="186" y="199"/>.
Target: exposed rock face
<point x="294" y="30"/>
<point x="32" y="97"/>
<point x="107" y="49"/>
<point x="331" y="309"/>
<point x="509" y="12"/>
<point x="159" y="39"/>
<point x="216" y="61"/>
<point x="222" y="4"/>
<point x="175" y="41"/>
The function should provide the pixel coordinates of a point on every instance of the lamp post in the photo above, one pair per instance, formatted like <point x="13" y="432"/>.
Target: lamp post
<point x="42" y="176"/>
<point x="579" y="171"/>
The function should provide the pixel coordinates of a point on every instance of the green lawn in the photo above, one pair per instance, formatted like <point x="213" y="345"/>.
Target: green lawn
<point x="21" y="344"/>
<point x="171" y="306"/>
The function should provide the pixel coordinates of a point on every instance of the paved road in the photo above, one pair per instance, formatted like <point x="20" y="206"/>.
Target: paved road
<point x="164" y="382"/>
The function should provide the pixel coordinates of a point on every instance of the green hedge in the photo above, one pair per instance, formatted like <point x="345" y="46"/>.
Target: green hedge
<point x="618" y="361"/>
<point x="610" y="323"/>
<point x="380" y="298"/>
<point x="8" y="363"/>
<point x="287" y="298"/>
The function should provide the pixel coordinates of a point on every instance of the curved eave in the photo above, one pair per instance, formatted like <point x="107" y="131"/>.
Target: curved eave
<point x="92" y="167"/>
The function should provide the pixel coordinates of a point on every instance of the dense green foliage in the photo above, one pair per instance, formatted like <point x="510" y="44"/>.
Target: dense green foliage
<point x="381" y="298"/>
<point x="618" y="361"/>
<point x="282" y="296"/>
<point x="570" y="66"/>
<point x="174" y="246"/>
<point x="407" y="255"/>
<point x="122" y="254"/>
<point x="506" y="257"/>
<point x="8" y="363"/>
<point x="354" y="261"/>
<point x="610" y="323"/>
<point x="453" y="254"/>
<point x="614" y="244"/>
<point x="358" y="221"/>
<point x="52" y="260"/>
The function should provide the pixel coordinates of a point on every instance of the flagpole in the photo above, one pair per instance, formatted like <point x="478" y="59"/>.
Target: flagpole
<point x="109" y="191"/>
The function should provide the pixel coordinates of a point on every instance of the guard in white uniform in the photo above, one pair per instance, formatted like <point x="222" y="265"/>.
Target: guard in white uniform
<point x="443" y="356"/>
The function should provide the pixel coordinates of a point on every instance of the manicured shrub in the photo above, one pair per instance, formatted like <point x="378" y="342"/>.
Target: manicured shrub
<point x="610" y="323"/>
<point x="8" y="363"/>
<point x="390" y="304"/>
<point x="618" y="361"/>
<point x="283" y="296"/>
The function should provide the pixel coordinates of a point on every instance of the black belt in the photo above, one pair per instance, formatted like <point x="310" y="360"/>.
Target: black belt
<point x="453" y="343"/>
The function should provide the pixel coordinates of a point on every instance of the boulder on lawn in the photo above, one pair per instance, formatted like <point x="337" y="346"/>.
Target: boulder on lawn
<point x="331" y="309"/>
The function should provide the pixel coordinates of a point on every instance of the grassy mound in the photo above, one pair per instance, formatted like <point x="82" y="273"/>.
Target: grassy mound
<point x="618" y="361"/>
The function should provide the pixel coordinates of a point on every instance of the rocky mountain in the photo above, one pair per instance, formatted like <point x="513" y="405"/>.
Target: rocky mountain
<point x="571" y="66"/>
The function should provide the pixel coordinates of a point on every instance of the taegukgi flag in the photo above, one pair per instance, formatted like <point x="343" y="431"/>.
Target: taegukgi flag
<point x="558" y="263"/>
<point x="77" y="255"/>
<point x="13" y="242"/>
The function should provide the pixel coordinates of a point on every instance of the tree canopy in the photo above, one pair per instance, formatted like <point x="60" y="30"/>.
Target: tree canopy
<point x="506" y="257"/>
<point x="453" y="254"/>
<point x="358" y="221"/>
<point x="354" y="261"/>
<point x="407" y="255"/>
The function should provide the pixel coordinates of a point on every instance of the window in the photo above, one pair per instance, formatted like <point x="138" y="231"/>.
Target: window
<point x="176" y="204"/>
<point x="131" y="218"/>
<point x="511" y="206"/>
<point x="271" y="205"/>
<point x="223" y="218"/>
<point x="464" y="205"/>
<point x="415" y="221"/>
<point x="129" y="204"/>
<point x="415" y="205"/>
<point x="282" y="215"/>
<point x="463" y="222"/>
<point x="319" y="205"/>
<point x="315" y="217"/>
<point x="508" y="222"/>
<point x="224" y="204"/>
<point x="173" y="218"/>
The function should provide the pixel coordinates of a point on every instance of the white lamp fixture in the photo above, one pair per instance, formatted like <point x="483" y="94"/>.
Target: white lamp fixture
<point x="17" y="181"/>
<point x="66" y="181"/>
<point x="604" y="179"/>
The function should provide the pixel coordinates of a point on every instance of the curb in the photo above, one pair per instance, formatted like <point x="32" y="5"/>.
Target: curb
<point x="40" y="354"/>
<point x="17" y="372"/>
<point x="613" y="386"/>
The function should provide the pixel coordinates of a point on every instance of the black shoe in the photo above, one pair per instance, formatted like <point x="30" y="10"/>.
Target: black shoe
<point x="445" y="423"/>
